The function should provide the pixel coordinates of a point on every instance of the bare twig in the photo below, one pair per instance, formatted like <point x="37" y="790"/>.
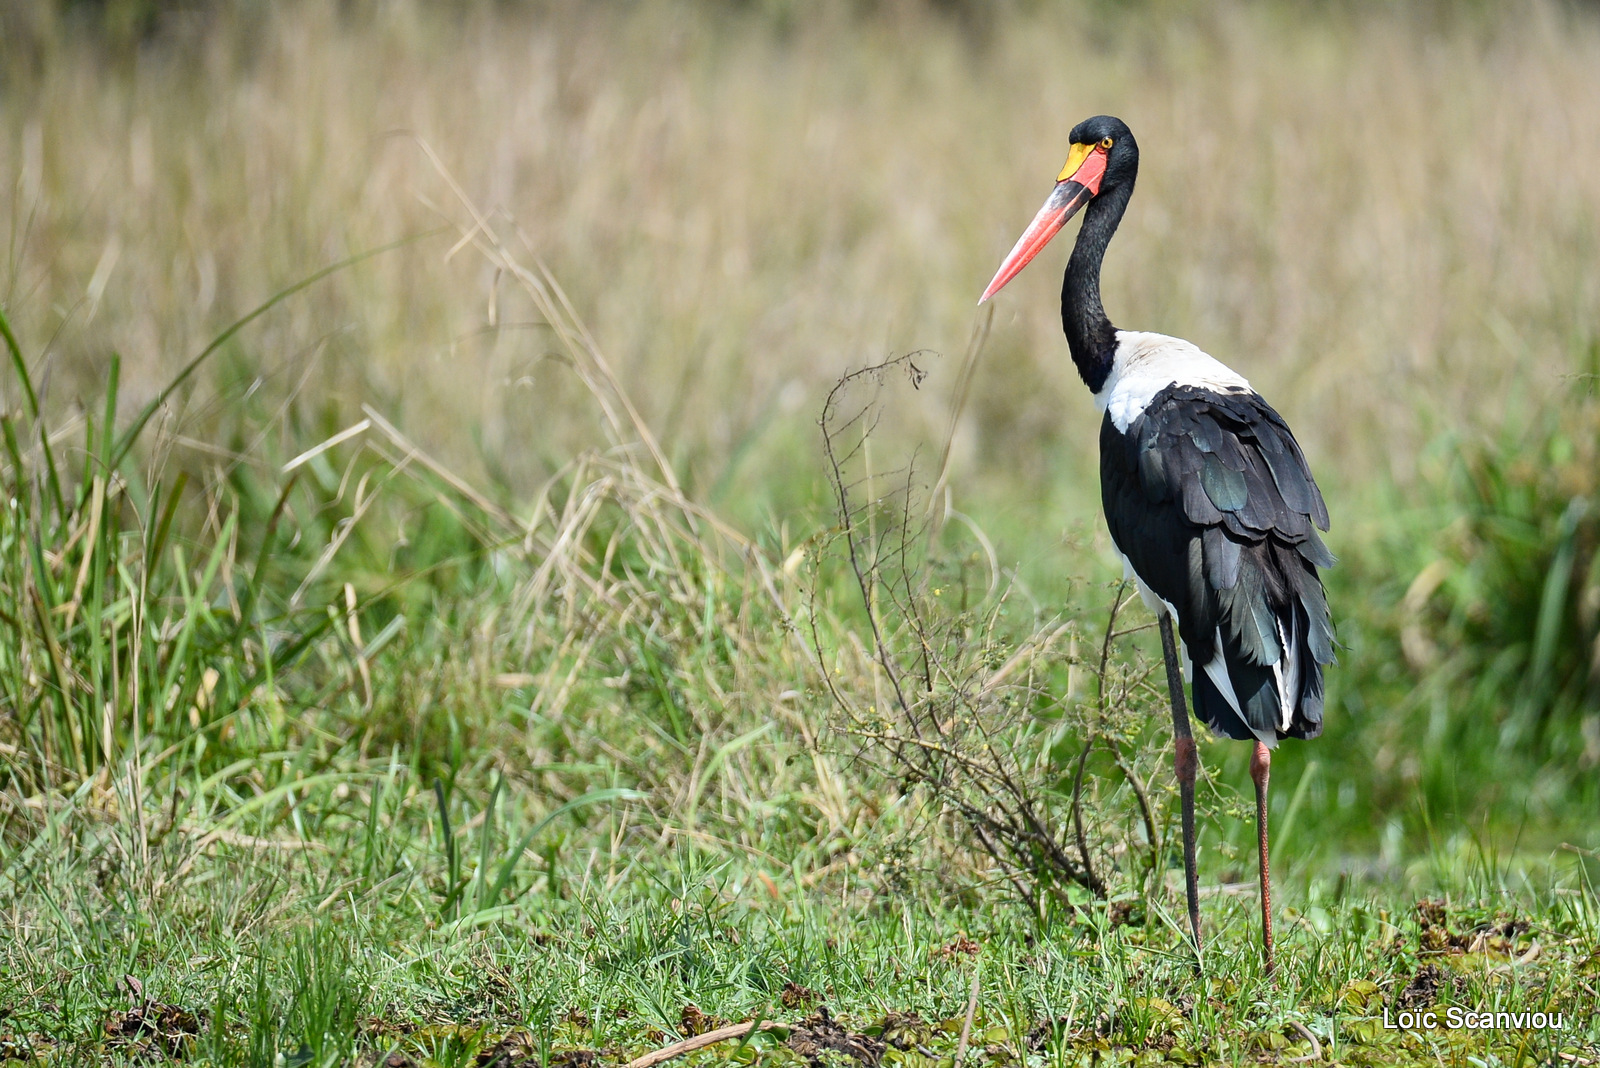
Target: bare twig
<point x="1077" y="806"/>
<point x="947" y="700"/>
<point x="1094" y="734"/>
<point x="1142" y="796"/>
<point x="689" y="1045"/>
<point x="1316" y="1047"/>
<point x="847" y="517"/>
<point x="972" y="1010"/>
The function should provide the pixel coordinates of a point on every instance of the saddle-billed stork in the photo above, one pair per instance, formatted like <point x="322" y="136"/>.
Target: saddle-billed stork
<point x="1208" y="498"/>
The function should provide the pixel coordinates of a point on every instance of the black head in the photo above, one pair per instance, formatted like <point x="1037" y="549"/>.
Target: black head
<point x="1122" y="151"/>
<point x="1104" y="158"/>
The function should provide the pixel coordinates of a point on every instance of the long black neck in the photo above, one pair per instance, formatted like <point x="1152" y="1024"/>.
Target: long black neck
<point x="1090" y="335"/>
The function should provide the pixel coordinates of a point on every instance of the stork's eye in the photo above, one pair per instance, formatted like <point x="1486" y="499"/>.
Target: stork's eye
<point x="1106" y="143"/>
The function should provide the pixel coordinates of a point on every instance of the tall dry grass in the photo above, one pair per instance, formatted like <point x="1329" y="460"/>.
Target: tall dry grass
<point x="1387" y="220"/>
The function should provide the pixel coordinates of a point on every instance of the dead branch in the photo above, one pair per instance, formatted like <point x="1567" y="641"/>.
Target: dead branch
<point x="710" y="1038"/>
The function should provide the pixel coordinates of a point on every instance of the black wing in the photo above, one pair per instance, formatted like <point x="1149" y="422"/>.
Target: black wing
<point x="1209" y="497"/>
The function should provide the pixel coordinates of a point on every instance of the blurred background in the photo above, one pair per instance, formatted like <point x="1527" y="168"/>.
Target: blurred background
<point x="1387" y="216"/>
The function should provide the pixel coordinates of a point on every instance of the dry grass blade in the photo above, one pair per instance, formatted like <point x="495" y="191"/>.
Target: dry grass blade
<point x="661" y="521"/>
<point x="410" y="451"/>
<point x="939" y="494"/>
<point x="323" y="446"/>
<point x="560" y="316"/>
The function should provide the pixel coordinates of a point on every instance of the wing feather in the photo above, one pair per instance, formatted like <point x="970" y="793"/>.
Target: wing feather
<point x="1210" y="499"/>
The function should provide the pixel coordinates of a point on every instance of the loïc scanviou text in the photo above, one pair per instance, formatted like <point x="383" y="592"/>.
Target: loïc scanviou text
<point x="1456" y="1018"/>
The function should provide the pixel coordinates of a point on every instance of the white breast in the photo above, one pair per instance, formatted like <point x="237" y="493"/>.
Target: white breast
<point x="1145" y="364"/>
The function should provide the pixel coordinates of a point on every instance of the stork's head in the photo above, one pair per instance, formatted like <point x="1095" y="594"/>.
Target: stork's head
<point x="1103" y="157"/>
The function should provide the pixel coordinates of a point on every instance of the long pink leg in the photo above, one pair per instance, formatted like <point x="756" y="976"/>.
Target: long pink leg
<point x="1260" y="772"/>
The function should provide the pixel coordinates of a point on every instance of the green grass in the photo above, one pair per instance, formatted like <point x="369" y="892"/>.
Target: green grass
<point x="268" y="961"/>
<point x="391" y="669"/>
